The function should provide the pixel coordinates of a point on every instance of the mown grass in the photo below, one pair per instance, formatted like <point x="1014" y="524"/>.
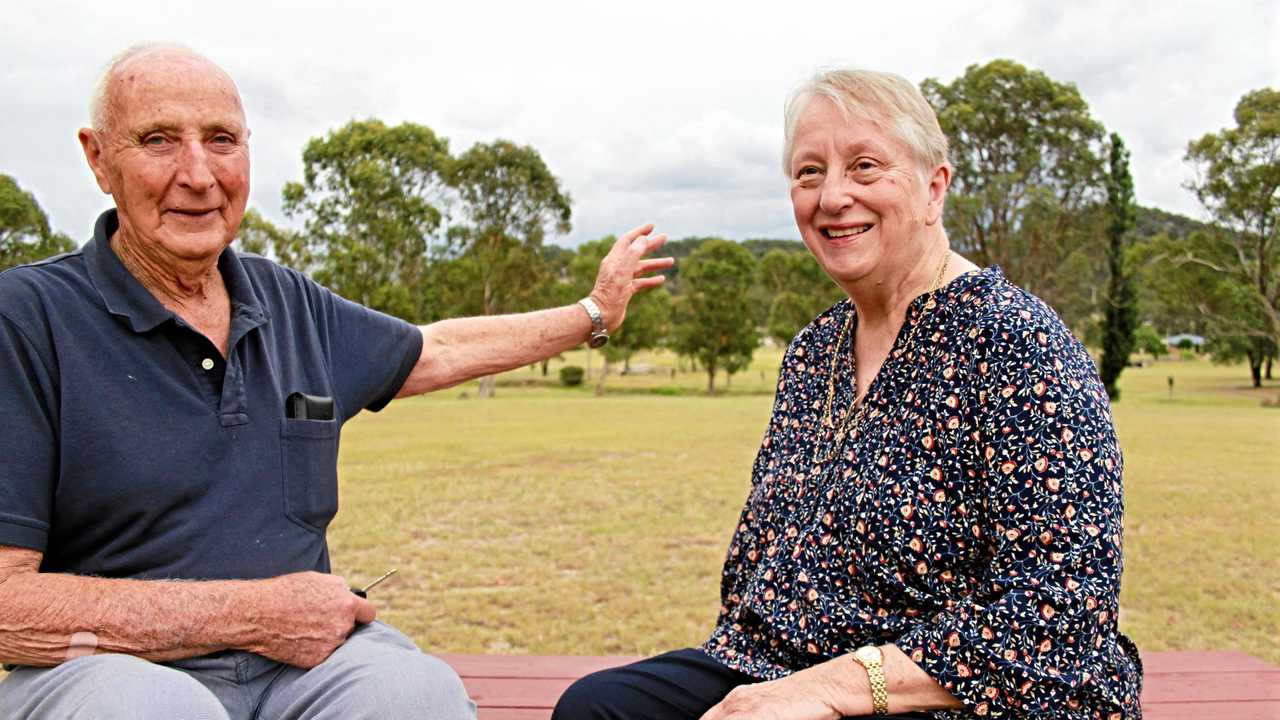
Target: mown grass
<point x="553" y="521"/>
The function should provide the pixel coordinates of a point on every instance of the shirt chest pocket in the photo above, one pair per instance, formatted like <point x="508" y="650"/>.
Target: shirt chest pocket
<point x="309" y="462"/>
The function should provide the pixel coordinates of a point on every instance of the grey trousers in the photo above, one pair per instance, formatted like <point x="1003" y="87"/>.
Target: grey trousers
<point x="378" y="673"/>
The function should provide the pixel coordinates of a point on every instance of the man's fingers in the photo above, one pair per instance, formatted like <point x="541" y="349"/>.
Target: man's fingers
<point x="630" y="236"/>
<point x="648" y="266"/>
<point x="365" y="612"/>
<point x="644" y="245"/>
<point x="647" y="283"/>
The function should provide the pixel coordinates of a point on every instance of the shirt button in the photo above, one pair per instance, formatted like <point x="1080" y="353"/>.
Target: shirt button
<point x="207" y="363"/>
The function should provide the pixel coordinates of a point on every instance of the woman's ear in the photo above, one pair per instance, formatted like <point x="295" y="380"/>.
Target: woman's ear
<point x="939" y="181"/>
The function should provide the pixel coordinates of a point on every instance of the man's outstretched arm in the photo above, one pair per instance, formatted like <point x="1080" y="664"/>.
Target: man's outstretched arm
<point x="49" y="618"/>
<point x="454" y="351"/>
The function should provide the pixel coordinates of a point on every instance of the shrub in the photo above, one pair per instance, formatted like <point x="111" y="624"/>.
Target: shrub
<point x="571" y="375"/>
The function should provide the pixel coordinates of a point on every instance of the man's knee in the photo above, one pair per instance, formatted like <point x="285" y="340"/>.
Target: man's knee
<point x="411" y="684"/>
<point x="108" y="687"/>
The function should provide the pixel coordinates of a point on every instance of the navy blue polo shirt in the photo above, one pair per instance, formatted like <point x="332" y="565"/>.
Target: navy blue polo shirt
<point x="131" y="448"/>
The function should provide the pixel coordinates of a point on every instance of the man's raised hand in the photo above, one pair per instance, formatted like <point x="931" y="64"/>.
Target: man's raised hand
<point x="626" y="270"/>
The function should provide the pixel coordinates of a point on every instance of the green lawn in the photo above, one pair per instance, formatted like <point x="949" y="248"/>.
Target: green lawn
<point x="549" y="520"/>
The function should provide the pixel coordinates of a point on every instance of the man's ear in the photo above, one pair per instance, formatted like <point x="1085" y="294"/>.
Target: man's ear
<point x="937" y="189"/>
<point x="91" y="142"/>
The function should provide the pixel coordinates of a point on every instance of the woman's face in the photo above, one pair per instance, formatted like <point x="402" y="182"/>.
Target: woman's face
<point x="859" y="201"/>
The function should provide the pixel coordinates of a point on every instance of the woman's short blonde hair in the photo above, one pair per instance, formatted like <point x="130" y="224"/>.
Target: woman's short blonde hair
<point x="888" y="101"/>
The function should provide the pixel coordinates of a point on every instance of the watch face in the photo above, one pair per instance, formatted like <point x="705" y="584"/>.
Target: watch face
<point x="867" y="654"/>
<point x="597" y="340"/>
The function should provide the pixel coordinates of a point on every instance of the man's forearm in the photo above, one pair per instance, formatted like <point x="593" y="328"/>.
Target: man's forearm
<point x="48" y="618"/>
<point x="454" y="351"/>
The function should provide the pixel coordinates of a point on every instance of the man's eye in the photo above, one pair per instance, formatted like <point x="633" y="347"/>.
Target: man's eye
<point x="223" y="140"/>
<point x="155" y="140"/>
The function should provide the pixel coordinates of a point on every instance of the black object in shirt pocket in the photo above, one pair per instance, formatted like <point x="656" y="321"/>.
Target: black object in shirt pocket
<point x="309" y="460"/>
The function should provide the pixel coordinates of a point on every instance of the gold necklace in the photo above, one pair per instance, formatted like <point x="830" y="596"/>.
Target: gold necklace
<point x="854" y="418"/>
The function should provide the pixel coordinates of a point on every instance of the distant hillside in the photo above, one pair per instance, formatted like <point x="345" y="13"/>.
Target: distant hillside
<point x="1153" y="221"/>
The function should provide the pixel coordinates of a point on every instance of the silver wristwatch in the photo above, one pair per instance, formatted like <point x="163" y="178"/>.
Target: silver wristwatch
<point x="599" y="334"/>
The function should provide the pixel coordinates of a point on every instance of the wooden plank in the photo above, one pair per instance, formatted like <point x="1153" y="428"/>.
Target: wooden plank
<point x="532" y="666"/>
<point x="573" y="666"/>
<point x="1211" y="687"/>
<point x="1202" y="661"/>
<point x="513" y="714"/>
<point x="1212" y="711"/>
<point x="516" y="692"/>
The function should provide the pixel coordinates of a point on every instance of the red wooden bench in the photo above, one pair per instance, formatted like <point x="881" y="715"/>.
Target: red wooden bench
<point x="1179" y="685"/>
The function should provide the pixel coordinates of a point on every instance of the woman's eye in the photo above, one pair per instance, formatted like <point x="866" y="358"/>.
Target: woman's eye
<point x="807" y="171"/>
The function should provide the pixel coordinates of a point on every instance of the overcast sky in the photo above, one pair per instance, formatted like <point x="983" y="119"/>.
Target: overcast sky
<point x="662" y="111"/>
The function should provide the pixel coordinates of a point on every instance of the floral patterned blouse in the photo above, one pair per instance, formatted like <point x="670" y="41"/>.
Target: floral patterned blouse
<point x="972" y="516"/>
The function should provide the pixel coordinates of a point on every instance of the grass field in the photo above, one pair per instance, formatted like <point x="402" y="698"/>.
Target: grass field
<point x="549" y="520"/>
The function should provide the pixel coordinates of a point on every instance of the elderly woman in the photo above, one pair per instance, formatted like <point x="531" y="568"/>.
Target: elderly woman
<point x="934" y="522"/>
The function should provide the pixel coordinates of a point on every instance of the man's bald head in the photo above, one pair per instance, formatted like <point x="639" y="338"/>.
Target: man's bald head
<point x="134" y="63"/>
<point x="170" y="145"/>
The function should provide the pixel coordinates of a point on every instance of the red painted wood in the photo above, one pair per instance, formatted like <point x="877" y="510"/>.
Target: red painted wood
<point x="513" y="714"/>
<point x="547" y="666"/>
<point x="1214" y="686"/>
<point x="1178" y="686"/>
<point x="516" y="692"/>
<point x="1206" y="711"/>
<point x="1202" y="661"/>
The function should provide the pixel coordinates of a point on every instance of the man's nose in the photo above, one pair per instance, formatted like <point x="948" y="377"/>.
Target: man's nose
<point x="194" y="171"/>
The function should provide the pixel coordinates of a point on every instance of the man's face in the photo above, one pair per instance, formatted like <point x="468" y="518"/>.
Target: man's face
<point x="174" y="156"/>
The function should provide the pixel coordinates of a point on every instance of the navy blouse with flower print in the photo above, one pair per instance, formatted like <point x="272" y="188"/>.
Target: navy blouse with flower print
<point x="972" y="517"/>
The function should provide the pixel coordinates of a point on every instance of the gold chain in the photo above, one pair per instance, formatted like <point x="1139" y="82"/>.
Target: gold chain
<point x="854" y="418"/>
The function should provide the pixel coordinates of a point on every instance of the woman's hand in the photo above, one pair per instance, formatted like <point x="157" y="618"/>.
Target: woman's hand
<point x="813" y="694"/>
<point x="626" y="271"/>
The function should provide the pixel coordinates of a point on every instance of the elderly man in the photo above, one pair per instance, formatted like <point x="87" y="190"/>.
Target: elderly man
<point x="163" y="507"/>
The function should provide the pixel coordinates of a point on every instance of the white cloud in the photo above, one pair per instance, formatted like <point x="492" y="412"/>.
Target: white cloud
<point x="664" y="111"/>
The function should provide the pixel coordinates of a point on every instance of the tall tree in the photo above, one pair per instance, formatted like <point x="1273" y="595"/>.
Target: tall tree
<point x="1028" y="179"/>
<point x="370" y="203"/>
<point x="1120" y="316"/>
<point x="508" y="203"/>
<point x="263" y="237"/>
<point x="647" y="326"/>
<point x="25" y="235"/>
<point x="797" y="289"/>
<point x="713" y="318"/>
<point x="1238" y="183"/>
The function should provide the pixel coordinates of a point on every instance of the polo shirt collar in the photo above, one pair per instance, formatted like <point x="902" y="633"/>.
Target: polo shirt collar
<point x="123" y="295"/>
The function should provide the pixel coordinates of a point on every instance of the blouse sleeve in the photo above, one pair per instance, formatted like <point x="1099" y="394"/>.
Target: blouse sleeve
<point x="1039" y="633"/>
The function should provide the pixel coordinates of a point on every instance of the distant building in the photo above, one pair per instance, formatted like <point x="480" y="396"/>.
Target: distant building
<point x="1174" y="341"/>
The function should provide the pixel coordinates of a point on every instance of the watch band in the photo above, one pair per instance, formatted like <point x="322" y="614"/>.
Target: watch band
<point x="599" y="333"/>
<point x="872" y="660"/>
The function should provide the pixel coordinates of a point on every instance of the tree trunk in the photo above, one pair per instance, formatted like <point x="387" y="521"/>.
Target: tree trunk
<point x="488" y="382"/>
<point x="588" y="362"/>
<point x="545" y="363"/>
<point x="604" y="373"/>
<point x="1269" y="359"/>
<point x="711" y="379"/>
<point x="626" y="366"/>
<point x="1255" y="369"/>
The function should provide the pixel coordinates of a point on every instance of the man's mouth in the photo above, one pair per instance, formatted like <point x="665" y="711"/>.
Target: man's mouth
<point x="193" y="213"/>
<point x="835" y="233"/>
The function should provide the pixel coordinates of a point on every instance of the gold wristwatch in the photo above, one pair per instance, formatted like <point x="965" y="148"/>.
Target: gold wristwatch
<point x="871" y="659"/>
